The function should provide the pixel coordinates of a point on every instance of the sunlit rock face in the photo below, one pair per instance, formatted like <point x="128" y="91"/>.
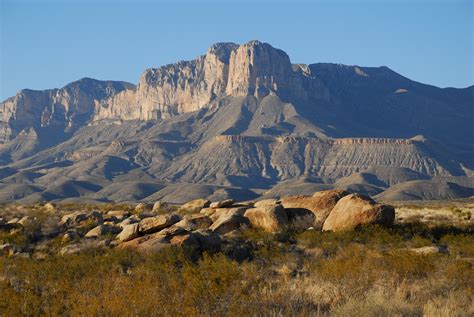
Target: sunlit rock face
<point x="65" y="109"/>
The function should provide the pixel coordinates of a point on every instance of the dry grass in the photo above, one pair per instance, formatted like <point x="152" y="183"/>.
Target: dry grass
<point x="366" y="272"/>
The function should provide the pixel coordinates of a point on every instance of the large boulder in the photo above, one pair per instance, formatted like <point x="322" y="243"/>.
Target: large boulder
<point x="268" y="217"/>
<point x="155" y="224"/>
<point x="354" y="209"/>
<point x="228" y="222"/>
<point x="195" y="205"/>
<point x="219" y="212"/>
<point x="149" y="243"/>
<point x="102" y="230"/>
<point x="129" y="232"/>
<point x="320" y="204"/>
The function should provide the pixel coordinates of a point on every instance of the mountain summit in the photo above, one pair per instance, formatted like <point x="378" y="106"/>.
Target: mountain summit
<point x="239" y="121"/>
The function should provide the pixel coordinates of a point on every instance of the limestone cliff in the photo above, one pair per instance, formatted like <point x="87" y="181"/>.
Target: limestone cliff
<point x="65" y="109"/>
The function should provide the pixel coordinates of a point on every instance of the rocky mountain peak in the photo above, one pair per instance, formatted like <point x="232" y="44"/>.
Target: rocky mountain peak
<point x="257" y="68"/>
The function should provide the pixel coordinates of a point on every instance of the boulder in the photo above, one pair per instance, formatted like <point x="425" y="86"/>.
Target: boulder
<point x="219" y="212"/>
<point x="195" y="205"/>
<point x="228" y="222"/>
<point x="430" y="250"/>
<point x="267" y="217"/>
<point x="320" y="204"/>
<point x="25" y="221"/>
<point x="118" y="214"/>
<point x="160" y="205"/>
<point x="13" y="221"/>
<point x="73" y="218"/>
<point x="354" y="209"/>
<point x="50" y="207"/>
<point x="7" y="249"/>
<point x="207" y="211"/>
<point x="157" y="241"/>
<point x="141" y="207"/>
<point x="172" y="231"/>
<point x="188" y="240"/>
<point x="155" y="224"/>
<point x="222" y="203"/>
<point x="128" y="221"/>
<point x="70" y="235"/>
<point x="129" y="232"/>
<point x="101" y="230"/>
<point x="194" y="222"/>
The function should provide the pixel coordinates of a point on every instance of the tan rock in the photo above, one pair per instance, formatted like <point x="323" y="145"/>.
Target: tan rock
<point x="194" y="222"/>
<point x="320" y="204"/>
<point x="50" y="207"/>
<point x="155" y="224"/>
<point x="219" y="212"/>
<point x="353" y="210"/>
<point x="101" y="230"/>
<point x="141" y="207"/>
<point x="195" y="205"/>
<point x="160" y="206"/>
<point x="186" y="240"/>
<point x="128" y="232"/>
<point x="222" y="203"/>
<point x="229" y="222"/>
<point x="73" y="218"/>
<point x="267" y="217"/>
<point x="429" y="250"/>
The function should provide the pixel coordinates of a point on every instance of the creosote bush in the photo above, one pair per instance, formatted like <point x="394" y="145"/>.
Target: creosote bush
<point x="370" y="271"/>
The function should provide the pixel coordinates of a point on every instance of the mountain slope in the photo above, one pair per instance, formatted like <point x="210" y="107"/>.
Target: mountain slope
<point x="237" y="121"/>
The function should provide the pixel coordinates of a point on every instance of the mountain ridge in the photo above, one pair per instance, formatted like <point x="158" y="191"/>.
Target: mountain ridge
<point x="241" y="117"/>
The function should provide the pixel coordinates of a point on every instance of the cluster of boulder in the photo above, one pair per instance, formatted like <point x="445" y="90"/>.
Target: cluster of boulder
<point x="203" y="225"/>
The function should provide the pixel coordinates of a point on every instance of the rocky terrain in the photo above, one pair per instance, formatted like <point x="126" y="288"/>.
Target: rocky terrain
<point x="329" y="253"/>
<point x="239" y="122"/>
<point x="199" y="224"/>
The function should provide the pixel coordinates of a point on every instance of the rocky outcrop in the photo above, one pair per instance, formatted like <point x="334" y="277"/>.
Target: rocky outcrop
<point x="354" y="210"/>
<point x="320" y="204"/>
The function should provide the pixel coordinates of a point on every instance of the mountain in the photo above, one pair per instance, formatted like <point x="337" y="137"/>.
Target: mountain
<point x="240" y="121"/>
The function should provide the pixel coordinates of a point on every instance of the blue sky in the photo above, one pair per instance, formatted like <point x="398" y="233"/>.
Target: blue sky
<point x="46" y="44"/>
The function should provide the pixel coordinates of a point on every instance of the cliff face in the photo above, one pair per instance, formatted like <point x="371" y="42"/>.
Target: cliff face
<point x="239" y="116"/>
<point x="253" y="68"/>
<point x="64" y="109"/>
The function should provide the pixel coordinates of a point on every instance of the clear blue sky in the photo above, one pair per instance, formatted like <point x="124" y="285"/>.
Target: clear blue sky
<point x="46" y="44"/>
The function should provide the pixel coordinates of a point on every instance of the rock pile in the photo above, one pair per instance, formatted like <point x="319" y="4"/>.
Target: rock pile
<point x="203" y="226"/>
